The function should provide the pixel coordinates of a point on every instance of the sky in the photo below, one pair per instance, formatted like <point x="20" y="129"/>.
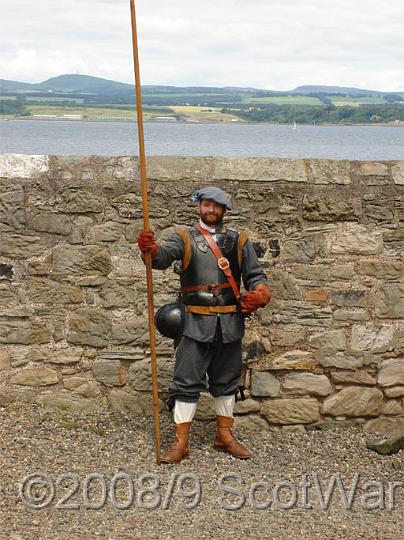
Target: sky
<point x="269" y="44"/>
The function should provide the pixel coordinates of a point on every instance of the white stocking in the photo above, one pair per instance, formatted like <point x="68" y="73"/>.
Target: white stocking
<point x="184" y="411"/>
<point x="224" y="405"/>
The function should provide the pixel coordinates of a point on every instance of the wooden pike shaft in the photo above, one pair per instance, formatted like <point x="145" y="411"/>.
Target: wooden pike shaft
<point x="146" y="226"/>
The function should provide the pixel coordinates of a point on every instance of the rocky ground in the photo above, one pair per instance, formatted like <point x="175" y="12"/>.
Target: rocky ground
<point x="36" y="441"/>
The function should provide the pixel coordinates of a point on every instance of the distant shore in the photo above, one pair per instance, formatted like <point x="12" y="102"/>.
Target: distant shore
<point x="193" y="122"/>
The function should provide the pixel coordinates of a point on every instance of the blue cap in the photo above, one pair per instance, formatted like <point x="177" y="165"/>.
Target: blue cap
<point x="212" y="193"/>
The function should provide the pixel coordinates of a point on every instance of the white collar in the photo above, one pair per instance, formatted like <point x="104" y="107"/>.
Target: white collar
<point x="204" y="226"/>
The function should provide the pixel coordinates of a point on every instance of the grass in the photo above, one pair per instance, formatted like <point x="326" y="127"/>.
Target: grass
<point x="341" y="101"/>
<point x="285" y="100"/>
<point x="192" y="112"/>
<point x="89" y="112"/>
<point x="203" y="113"/>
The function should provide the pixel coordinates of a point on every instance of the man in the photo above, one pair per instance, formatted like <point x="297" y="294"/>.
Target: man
<point x="214" y="316"/>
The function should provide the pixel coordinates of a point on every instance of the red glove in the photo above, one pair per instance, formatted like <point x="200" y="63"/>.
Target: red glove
<point x="252" y="300"/>
<point x="147" y="243"/>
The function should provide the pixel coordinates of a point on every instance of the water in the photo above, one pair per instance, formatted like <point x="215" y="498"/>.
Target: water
<point x="120" y="138"/>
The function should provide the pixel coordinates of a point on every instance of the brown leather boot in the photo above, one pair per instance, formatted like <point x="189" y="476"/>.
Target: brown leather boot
<point x="225" y="442"/>
<point x="179" y="449"/>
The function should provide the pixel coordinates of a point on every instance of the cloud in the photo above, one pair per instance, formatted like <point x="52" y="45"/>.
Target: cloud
<point x="277" y="45"/>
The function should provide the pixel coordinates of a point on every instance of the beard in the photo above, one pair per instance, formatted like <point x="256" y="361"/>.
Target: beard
<point x="211" y="219"/>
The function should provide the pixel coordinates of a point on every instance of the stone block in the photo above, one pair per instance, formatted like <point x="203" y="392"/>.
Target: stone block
<point x="355" y="240"/>
<point x="291" y="411"/>
<point x="82" y="386"/>
<point x="394" y="242"/>
<point x="133" y="403"/>
<point x="393" y="407"/>
<point x="385" y="424"/>
<point x="316" y="295"/>
<point x="19" y="246"/>
<point x="394" y="391"/>
<point x="347" y="298"/>
<point x="264" y="384"/>
<point x="118" y="296"/>
<point x="331" y="209"/>
<point x="89" y="326"/>
<point x="354" y="401"/>
<point x="74" y="200"/>
<point x="389" y="301"/>
<point x="391" y="372"/>
<point x="284" y="285"/>
<point x="80" y="261"/>
<point x="71" y="403"/>
<point x="294" y="359"/>
<point x="306" y="314"/>
<point x="306" y="383"/>
<point x="259" y="169"/>
<point x="371" y="337"/>
<point x="139" y="375"/>
<point x="384" y="270"/>
<point x="397" y="173"/>
<point x="373" y="168"/>
<point x="48" y="291"/>
<point x="353" y="377"/>
<point x="35" y="377"/>
<point x="12" y="212"/>
<point x="130" y="331"/>
<point x="342" y="271"/>
<point x="251" y="422"/>
<point x="56" y="356"/>
<point x="109" y="231"/>
<point x="4" y="359"/>
<point x="23" y="331"/>
<point x="22" y="165"/>
<point x="19" y="356"/>
<point x="327" y="171"/>
<point x="51" y="223"/>
<point x="247" y="406"/>
<point x="388" y="444"/>
<point x="343" y="314"/>
<point x="7" y="295"/>
<point x="110" y="373"/>
<point x="329" y="341"/>
<point x="341" y="360"/>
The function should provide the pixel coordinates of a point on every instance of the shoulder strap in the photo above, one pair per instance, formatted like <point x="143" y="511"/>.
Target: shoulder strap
<point x="242" y="239"/>
<point x="186" y="258"/>
<point x="222" y="262"/>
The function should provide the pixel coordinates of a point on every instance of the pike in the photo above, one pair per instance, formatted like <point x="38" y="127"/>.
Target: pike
<point x="146" y="226"/>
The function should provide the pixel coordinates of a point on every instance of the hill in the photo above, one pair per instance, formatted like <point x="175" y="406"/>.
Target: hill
<point x="74" y="83"/>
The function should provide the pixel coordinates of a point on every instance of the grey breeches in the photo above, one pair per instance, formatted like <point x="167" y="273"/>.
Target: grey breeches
<point x="201" y="366"/>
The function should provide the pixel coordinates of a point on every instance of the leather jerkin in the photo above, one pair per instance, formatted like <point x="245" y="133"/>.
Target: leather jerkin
<point x="220" y="259"/>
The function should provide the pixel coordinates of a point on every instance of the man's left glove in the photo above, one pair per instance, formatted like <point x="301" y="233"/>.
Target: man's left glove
<point x="252" y="300"/>
<point x="147" y="243"/>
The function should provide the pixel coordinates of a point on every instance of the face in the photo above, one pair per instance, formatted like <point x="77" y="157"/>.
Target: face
<point x="211" y="212"/>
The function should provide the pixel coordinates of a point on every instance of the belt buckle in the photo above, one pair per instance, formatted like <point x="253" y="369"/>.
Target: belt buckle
<point x="223" y="263"/>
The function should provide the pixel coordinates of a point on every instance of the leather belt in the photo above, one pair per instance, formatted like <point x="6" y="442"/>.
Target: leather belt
<point x="212" y="287"/>
<point x="211" y="310"/>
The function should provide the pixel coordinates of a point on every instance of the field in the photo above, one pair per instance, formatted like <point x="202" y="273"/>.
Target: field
<point x="341" y="101"/>
<point x="89" y="112"/>
<point x="204" y="114"/>
<point x="285" y="100"/>
<point x="200" y="114"/>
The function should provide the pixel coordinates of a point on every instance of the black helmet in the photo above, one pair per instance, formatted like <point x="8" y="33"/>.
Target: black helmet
<point x="168" y="320"/>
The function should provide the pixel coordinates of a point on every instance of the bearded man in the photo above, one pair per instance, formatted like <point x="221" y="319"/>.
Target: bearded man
<point x="213" y="326"/>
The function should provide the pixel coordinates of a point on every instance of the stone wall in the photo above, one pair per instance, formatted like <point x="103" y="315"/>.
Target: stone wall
<point x="330" y="234"/>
